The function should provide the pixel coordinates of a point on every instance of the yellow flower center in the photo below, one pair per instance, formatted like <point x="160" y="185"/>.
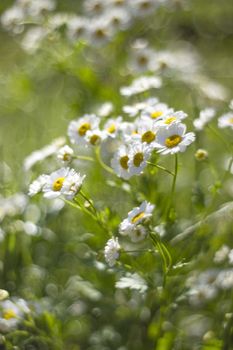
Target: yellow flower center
<point x="83" y="129"/>
<point x="137" y="217"/>
<point x="124" y="162"/>
<point x="170" y="120"/>
<point x="173" y="141"/>
<point x="231" y="120"/>
<point x="58" y="183"/>
<point x="148" y="137"/>
<point x="94" y="139"/>
<point x="66" y="157"/>
<point x="156" y="114"/>
<point x="138" y="159"/>
<point x="99" y="33"/>
<point x="9" y="314"/>
<point x="111" y="129"/>
<point x="142" y="60"/>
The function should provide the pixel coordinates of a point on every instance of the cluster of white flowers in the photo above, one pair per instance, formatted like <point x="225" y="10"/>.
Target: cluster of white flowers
<point x="63" y="182"/>
<point x="97" y="25"/>
<point x="156" y="127"/>
<point x="134" y="225"/>
<point x="206" y="285"/>
<point x="224" y="254"/>
<point x="111" y="251"/>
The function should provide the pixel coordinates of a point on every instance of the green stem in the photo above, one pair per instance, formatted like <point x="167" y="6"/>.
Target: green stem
<point x="161" y="168"/>
<point x="164" y="253"/>
<point x="83" y="158"/>
<point x="170" y="202"/>
<point x="90" y="202"/>
<point x="104" y="166"/>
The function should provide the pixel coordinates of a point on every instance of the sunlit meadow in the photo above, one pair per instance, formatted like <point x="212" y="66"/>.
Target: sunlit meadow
<point x="116" y="204"/>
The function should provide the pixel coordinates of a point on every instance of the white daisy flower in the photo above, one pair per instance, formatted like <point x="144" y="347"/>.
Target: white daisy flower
<point x="172" y="138"/>
<point x="135" y="217"/>
<point x="43" y="153"/>
<point x="127" y="131"/>
<point x="226" y="120"/>
<point x="95" y="137"/>
<point x="112" y="127"/>
<point x="99" y="31"/>
<point x="221" y="254"/>
<point x="118" y="19"/>
<point x="78" y="128"/>
<point x="111" y="251"/>
<point x="37" y="185"/>
<point x="143" y="7"/>
<point x="172" y="117"/>
<point x="143" y="59"/>
<point x="133" y="110"/>
<point x="206" y="115"/>
<point x="105" y="109"/>
<point x="95" y="7"/>
<point x="12" y="312"/>
<point x="146" y="131"/>
<point x="230" y="256"/>
<point x="138" y="233"/>
<point x="77" y="28"/>
<point x="64" y="181"/>
<point x="120" y="162"/>
<point x="65" y="154"/>
<point x="156" y="111"/>
<point x="140" y="85"/>
<point x="139" y="153"/>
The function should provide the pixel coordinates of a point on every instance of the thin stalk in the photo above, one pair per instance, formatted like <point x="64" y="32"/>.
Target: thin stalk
<point x="84" y="158"/>
<point x="161" y="168"/>
<point x="89" y="201"/>
<point x="170" y="202"/>
<point x="104" y="166"/>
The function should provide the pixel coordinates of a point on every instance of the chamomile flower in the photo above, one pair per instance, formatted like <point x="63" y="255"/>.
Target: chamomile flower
<point x="139" y="153"/>
<point x="64" y="181"/>
<point x="226" y="120"/>
<point x="134" y="110"/>
<point x="135" y="217"/>
<point x="12" y="312"/>
<point x="111" y="251"/>
<point x="156" y="111"/>
<point x="43" y="153"/>
<point x="138" y="233"/>
<point x="143" y="7"/>
<point x="172" y="138"/>
<point x="140" y="85"/>
<point x="142" y="60"/>
<point x="37" y="185"/>
<point x="77" y="28"/>
<point x="172" y="117"/>
<point x="118" y="19"/>
<point x="105" y="109"/>
<point x="78" y="128"/>
<point x="95" y="7"/>
<point x="99" y="31"/>
<point x="95" y="137"/>
<point x="120" y="162"/>
<point x="206" y="115"/>
<point x="128" y="130"/>
<point x="65" y="154"/>
<point x="146" y="131"/>
<point x="112" y="127"/>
